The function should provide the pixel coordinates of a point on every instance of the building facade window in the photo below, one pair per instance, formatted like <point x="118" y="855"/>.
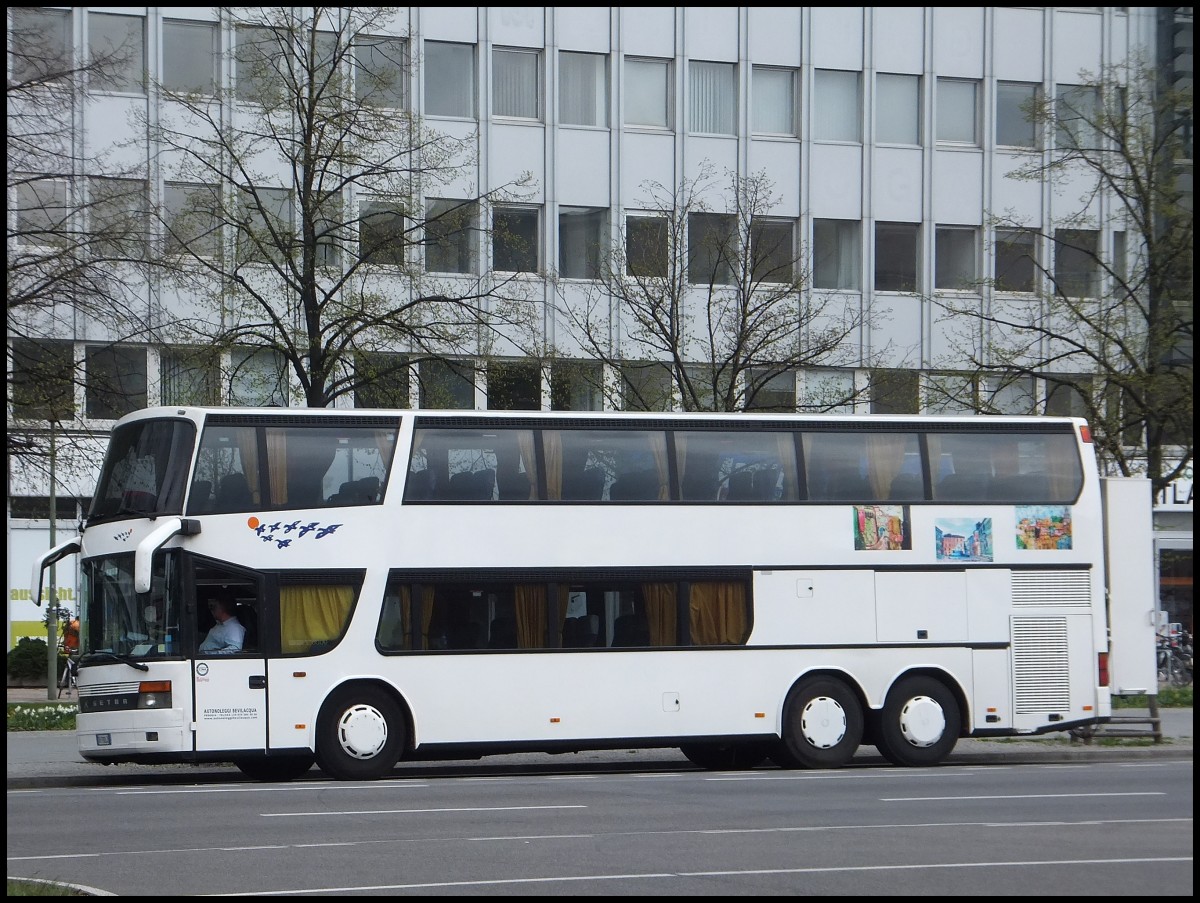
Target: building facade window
<point x="191" y="221"/>
<point x="118" y="213"/>
<point x="1077" y="262"/>
<point x="776" y="392"/>
<point x="576" y="385"/>
<point x="115" y="381"/>
<point x="256" y="57"/>
<point x="582" y="88"/>
<point x="828" y="391"/>
<point x="43" y="219"/>
<point x="772" y="250"/>
<point x="515" y="240"/>
<point x="1016" y="122"/>
<point x="956" y="255"/>
<point x="712" y="95"/>
<point x="1010" y="394"/>
<point x="646" y="248"/>
<point x="450" y="79"/>
<point x="773" y="101"/>
<point x="646" y="386"/>
<point x="1016" y="260"/>
<point x="447" y="384"/>
<point x="515" y="84"/>
<point x="897" y="250"/>
<point x="582" y="241"/>
<point x="514" y="386"/>
<point x="382" y="237"/>
<point x="450" y="236"/>
<point x="1067" y="395"/>
<point x="837" y="254"/>
<point x="265" y="230"/>
<point x="838" y="105"/>
<point x="712" y="248"/>
<point x="382" y="380"/>
<point x="897" y="109"/>
<point x="40" y="44"/>
<point x="117" y="49"/>
<point x="43" y="379"/>
<point x="1076" y="117"/>
<point x="648" y="93"/>
<point x="190" y="376"/>
<point x="895" y="392"/>
<point x="381" y="72"/>
<point x="190" y="51"/>
<point x="958" y="111"/>
<point x="949" y="393"/>
<point x="257" y="378"/>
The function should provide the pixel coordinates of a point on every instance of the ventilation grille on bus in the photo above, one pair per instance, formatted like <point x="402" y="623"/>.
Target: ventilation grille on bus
<point x="1065" y="589"/>
<point x="1041" y="666"/>
<point x="115" y="688"/>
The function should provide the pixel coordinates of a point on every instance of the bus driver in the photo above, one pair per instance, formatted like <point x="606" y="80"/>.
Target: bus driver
<point x="228" y="633"/>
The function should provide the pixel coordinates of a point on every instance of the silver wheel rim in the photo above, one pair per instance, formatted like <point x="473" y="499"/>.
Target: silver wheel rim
<point x="362" y="731"/>
<point x="823" y="722"/>
<point x="922" y="721"/>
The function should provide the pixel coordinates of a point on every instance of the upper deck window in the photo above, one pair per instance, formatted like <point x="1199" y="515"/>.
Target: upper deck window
<point x="145" y="469"/>
<point x="248" y="466"/>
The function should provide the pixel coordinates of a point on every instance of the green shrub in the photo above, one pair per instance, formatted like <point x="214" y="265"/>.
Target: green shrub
<point x="27" y="660"/>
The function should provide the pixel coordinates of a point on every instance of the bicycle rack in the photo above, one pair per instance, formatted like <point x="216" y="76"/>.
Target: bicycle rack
<point x="1116" y="726"/>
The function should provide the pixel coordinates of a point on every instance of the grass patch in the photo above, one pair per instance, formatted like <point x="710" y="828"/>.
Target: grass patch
<point x="1168" y="698"/>
<point x="18" y="887"/>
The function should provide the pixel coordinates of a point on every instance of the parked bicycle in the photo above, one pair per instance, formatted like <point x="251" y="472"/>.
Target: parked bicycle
<point x="70" y="647"/>
<point x="1175" y="660"/>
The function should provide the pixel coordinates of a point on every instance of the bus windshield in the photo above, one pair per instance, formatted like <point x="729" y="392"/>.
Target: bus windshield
<point x="117" y="621"/>
<point x="145" y="470"/>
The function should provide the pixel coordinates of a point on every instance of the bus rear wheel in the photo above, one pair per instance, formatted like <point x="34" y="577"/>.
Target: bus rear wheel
<point x="725" y="756"/>
<point x="278" y="768"/>
<point x="360" y="734"/>
<point x="822" y="725"/>
<point x="919" y="724"/>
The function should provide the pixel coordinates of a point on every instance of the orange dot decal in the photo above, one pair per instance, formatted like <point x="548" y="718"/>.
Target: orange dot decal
<point x="252" y="523"/>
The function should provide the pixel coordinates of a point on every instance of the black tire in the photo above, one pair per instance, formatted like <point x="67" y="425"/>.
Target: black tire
<point x="360" y="734"/>
<point x="274" y="768"/>
<point x="725" y="756"/>
<point x="822" y="725"/>
<point x="919" y="724"/>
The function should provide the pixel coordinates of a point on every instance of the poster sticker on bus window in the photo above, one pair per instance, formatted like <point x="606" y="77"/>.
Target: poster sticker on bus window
<point x="963" y="539"/>
<point x="881" y="528"/>
<point x="1043" y="527"/>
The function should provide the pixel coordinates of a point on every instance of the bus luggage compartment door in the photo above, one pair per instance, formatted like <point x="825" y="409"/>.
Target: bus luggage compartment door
<point x="231" y="703"/>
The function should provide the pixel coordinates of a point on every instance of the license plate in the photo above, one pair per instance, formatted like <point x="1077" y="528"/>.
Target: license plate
<point x="104" y="739"/>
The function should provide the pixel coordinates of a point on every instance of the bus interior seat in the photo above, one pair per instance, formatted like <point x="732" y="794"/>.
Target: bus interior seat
<point x="631" y="630"/>
<point x="513" y="486"/>
<point x="485" y="484"/>
<point x="585" y="486"/>
<point x="368" y="489"/>
<point x="848" y="487"/>
<point x="765" y="482"/>
<point x="906" y="487"/>
<point x="1031" y="487"/>
<point x="962" y="487"/>
<point x="234" y="493"/>
<point x="503" y="634"/>
<point x="741" y="486"/>
<point x="248" y="618"/>
<point x="419" y="486"/>
<point x="580" y="632"/>
<point x="468" y="635"/>
<point x="462" y="485"/>
<point x="700" y="487"/>
<point x="640" y="485"/>
<point x="201" y="498"/>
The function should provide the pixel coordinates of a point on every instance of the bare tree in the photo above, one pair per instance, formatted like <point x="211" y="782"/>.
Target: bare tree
<point x="76" y="246"/>
<point x="295" y="209"/>
<point x="1110" y="326"/>
<point x="707" y="309"/>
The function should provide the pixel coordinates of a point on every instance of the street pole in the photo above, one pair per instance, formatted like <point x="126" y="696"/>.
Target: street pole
<point x="52" y="620"/>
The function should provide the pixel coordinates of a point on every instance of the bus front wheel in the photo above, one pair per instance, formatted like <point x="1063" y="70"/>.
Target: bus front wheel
<point x="360" y="734"/>
<point x="822" y="725"/>
<point x="919" y="724"/>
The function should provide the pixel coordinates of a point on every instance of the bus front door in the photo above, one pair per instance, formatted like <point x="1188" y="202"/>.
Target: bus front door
<point x="230" y="703"/>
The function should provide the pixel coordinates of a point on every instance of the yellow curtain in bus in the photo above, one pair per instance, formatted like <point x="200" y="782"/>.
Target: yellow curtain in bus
<point x="681" y="461"/>
<point x="525" y="444"/>
<point x="658" y="448"/>
<point x="552" y="444"/>
<point x="277" y="465"/>
<point x="311" y="614"/>
<point x="247" y="442"/>
<point x="659" y="599"/>
<point x="885" y="452"/>
<point x="787" y="461"/>
<point x="531" y="615"/>
<point x="718" y="614"/>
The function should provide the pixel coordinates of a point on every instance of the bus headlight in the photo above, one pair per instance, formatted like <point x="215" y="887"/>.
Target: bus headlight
<point x="154" y="694"/>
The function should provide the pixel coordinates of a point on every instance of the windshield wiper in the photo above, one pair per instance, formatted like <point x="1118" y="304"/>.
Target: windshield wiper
<point x="124" y="659"/>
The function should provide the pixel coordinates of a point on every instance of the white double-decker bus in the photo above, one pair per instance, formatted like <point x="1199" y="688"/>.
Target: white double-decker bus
<point x="439" y="584"/>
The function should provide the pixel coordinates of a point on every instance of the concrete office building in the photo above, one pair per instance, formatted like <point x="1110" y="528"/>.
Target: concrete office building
<point x="888" y="136"/>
